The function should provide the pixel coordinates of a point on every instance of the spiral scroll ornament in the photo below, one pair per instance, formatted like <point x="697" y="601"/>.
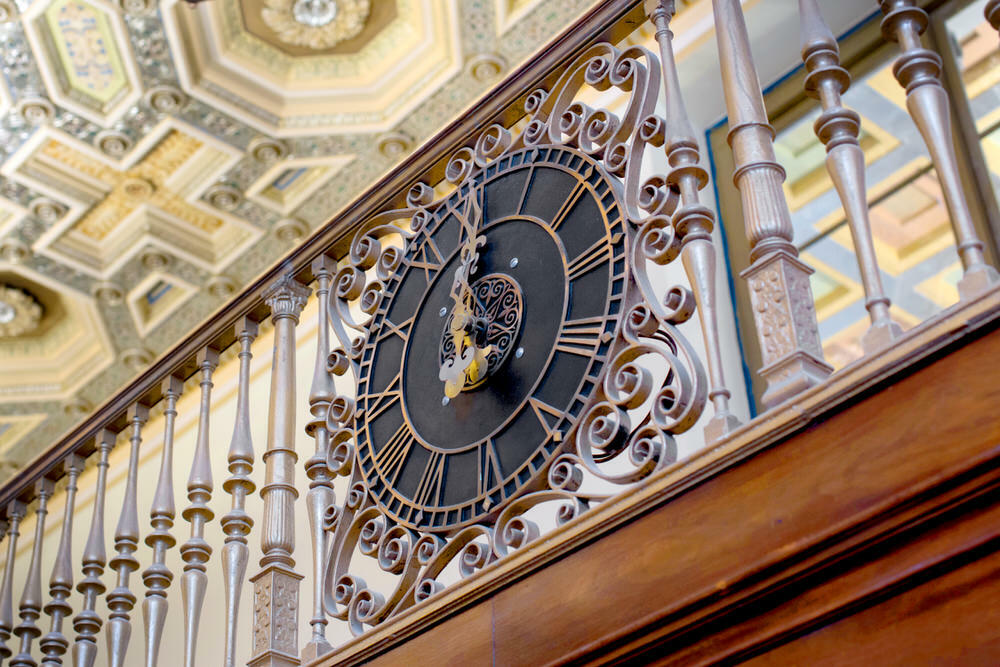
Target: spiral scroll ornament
<point x="650" y="388"/>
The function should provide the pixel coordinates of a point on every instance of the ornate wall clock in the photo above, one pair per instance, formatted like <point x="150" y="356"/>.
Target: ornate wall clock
<point x="526" y="331"/>
<point x="513" y="352"/>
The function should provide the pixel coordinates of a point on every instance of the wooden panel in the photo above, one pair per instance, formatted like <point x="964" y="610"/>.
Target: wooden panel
<point x="470" y="645"/>
<point x="813" y="528"/>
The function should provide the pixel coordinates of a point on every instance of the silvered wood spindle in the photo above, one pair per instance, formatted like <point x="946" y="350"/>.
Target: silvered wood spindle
<point x="693" y="221"/>
<point x="121" y="600"/>
<point x="992" y="13"/>
<point x="918" y="70"/>
<point x="31" y="599"/>
<point x="320" y="495"/>
<point x="236" y="523"/>
<point x="276" y="586"/>
<point x="780" y="294"/>
<point x="157" y="576"/>
<point x="15" y="513"/>
<point x="196" y="551"/>
<point x="838" y="128"/>
<point x="54" y="645"/>
<point x="88" y="622"/>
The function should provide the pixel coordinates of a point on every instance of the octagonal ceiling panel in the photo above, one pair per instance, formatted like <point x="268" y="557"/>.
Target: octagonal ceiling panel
<point x="85" y="60"/>
<point x="368" y="84"/>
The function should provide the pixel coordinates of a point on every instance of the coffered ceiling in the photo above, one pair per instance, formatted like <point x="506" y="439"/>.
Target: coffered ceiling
<point x="154" y="157"/>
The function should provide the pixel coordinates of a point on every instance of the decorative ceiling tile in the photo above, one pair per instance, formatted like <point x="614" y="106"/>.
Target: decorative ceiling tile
<point x="83" y="57"/>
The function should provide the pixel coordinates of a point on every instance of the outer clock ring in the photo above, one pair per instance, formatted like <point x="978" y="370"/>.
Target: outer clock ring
<point x="588" y="209"/>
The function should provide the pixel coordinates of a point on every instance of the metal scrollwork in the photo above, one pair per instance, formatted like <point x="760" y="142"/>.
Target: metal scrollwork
<point x="652" y="389"/>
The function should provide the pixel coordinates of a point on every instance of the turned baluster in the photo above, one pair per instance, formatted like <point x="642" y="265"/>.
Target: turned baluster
<point x="780" y="294"/>
<point x="121" y="600"/>
<point x="31" y="600"/>
<point x="918" y="70"/>
<point x="196" y="551"/>
<point x="838" y="128"/>
<point x="236" y="523"/>
<point x="88" y="622"/>
<point x="55" y="644"/>
<point x="693" y="221"/>
<point x="320" y="495"/>
<point x="15" y="512"/>
<point x="157" y="576"/>
<point x="276" y="586"/>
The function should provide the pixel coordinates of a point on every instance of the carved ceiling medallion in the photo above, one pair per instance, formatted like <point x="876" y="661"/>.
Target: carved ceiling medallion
<point x="316" y="24"/>
<point x="19" y="312"/>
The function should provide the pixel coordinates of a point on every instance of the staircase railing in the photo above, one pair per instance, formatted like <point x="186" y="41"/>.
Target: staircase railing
<point x="346" y="266"/>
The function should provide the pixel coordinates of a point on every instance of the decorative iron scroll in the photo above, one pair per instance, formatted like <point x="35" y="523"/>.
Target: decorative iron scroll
<point x="652" y="388"/>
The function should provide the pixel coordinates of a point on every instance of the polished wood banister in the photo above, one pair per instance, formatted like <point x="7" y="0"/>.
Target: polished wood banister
<point x="610" y="21"/>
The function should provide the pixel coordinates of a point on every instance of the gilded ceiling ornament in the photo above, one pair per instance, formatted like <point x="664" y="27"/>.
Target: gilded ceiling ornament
<point x="317" y="24"/>
<point x="8" y="11"/>
<point x="221" y="287"/>
<point x="154" y="260"/>
<point x="485" y="66"/>
<point x="14" y="251"/>
<point x="47" y="210"/>
<point x="290" y="230"/>
<point x="137" y="359"/>
<point x="165" y="99"/>
<point x="35" y="110"/>
<point x="138" y="7"/>
<point x="224" y="197"/>
<point x="108" y="293"/>
<point x="19" y="312"/>
<point x="394" y="144"/>
<point x="113" y="143"/>
<point x="267" y="151"/>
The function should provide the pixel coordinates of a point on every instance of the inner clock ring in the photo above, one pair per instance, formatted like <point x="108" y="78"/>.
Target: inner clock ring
<point x="468" y="419"/>
<point x="497" y="304"/>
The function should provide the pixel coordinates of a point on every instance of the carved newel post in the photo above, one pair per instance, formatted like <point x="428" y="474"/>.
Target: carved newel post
<point x="276" y="586"/>
<point x="780" y="294"/>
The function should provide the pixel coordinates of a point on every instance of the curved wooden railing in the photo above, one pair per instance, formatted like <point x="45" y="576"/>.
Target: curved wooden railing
<point x="532" y="109"/>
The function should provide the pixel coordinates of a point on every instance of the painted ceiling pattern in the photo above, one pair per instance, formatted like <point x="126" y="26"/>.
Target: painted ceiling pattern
<point x="154" y="157"/>
<point x="910" y="224"/>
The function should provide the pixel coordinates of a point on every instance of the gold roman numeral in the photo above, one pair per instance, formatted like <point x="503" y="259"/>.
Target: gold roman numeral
<point x="402" y="330"/>
<point x="430" y="490"/>
<point x="389" y="460"/>
<point x="568" y="205"/>
<point x="428" y="258"/>
<point x="581" y="336"/>
<point x="385" y="399"/>
<point x="589" y="259"/>
<point x="490" y="474"/>
<point x="541" y="408"/>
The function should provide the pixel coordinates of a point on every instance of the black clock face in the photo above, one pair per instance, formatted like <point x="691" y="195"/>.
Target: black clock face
<point x="546" y="295"/>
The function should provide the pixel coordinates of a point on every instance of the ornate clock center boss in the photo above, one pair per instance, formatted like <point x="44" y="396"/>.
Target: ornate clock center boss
<point x="490" y="338"/>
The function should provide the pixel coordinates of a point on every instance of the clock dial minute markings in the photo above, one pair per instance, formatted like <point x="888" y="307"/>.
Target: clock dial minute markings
<point x="582" y="336"/>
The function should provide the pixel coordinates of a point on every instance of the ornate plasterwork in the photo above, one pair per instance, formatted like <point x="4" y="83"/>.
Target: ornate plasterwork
<point x="367" y="90"/>
<point x="86" y="65"/>
<point x="412" y="65"/>
<point x="155" y="196"/>
<point x="19" y="312"/>
<point x="317" y="24"/>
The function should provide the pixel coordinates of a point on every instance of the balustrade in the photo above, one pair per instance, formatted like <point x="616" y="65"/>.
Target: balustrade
<point x="370" y="559"/>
